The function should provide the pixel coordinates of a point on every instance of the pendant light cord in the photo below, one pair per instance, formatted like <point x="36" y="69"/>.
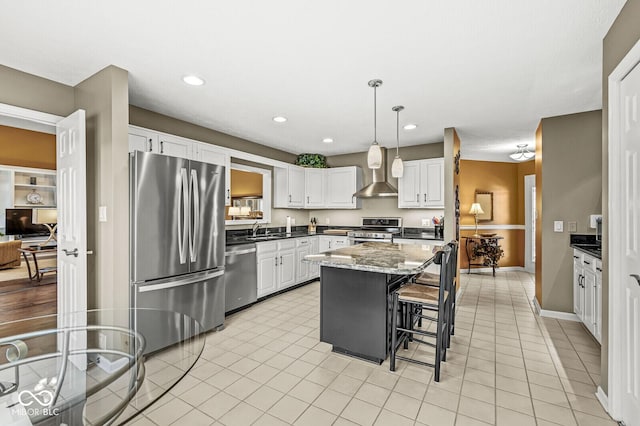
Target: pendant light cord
<point x="375" y="114"/>
<point x="398" y="133"/>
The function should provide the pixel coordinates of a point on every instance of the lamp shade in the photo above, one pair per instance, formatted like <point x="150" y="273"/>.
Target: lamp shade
<point x="397" y="168"/>
<point x="245" y="211"/>
<point x="234" y="211"/>
<point x="476" y="208"/>
<point x="374" y="157"/>
<point x="45" y="216"/>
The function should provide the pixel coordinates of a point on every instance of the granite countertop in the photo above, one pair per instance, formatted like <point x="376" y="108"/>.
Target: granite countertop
<point x="385" y="258"/>
<point x="247" y="239"/>
<point x="586" y="243"/>
<point x="590" y="249"/>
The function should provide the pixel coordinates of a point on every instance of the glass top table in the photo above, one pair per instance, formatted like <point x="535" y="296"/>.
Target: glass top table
<point x="89" y="368"/>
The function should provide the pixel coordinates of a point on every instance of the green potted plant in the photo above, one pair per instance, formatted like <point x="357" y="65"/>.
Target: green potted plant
<point x="316" y="161"/>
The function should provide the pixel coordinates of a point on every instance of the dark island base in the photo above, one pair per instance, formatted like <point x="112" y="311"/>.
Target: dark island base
<point x="355" y="314"/>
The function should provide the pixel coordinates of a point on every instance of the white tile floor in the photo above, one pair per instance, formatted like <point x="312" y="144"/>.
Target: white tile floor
<point x="506" y="366"/>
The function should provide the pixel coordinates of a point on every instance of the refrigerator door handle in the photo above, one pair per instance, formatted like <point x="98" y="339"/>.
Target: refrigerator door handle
<point x="173" y="282"/>
<point x="195" y="213"/>
<point x="182" y="215"/>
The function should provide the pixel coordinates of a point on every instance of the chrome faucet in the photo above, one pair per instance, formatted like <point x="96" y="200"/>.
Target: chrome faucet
<point x="254" y="229"/>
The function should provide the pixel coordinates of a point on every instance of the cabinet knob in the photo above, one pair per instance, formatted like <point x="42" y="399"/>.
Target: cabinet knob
<point x="307" y="199"/>
<point x="281" y="260"/>
<point x="276" y="259"/>
<point x="289" y="197"/>
<point x="425" y="198"/>
<point x="588" y="263"/>
<point x="150" y="145"/>
<point x="161" y="147"/>
<point x="418" y="197"/>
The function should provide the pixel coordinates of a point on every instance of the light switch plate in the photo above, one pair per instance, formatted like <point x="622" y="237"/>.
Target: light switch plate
<point x="558" y="226"/>
<point x="573" y="226"/>
<point x="102" y="214"/>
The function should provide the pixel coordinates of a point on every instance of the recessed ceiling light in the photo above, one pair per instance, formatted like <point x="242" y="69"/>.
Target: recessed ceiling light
<point x="327" y="140"/>
<point x="410" y="126"/>
<point x="279" y="119"/>
<point x="193" y="80"/>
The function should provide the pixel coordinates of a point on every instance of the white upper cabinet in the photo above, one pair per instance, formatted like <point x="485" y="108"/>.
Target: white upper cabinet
<point x="422" y="184"/>
<point x="175" y="147"/>
<point x="214" y="155"/>
<point x="314" y="188"/>
<point x="341" y="184"/>
<point x="142" y="140"/>
<point x="289" y="187"/>
<point x="409" y="185"/>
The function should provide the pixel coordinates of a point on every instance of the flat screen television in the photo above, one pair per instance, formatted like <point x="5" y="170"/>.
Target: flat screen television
<point x="19" y="222"/>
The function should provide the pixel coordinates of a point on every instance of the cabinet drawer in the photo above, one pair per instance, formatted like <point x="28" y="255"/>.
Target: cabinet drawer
<point x="286" y="244"/>
<point x="303" y="242"/>
<point x="266" y="247"/>
<point x="589" y="262"/>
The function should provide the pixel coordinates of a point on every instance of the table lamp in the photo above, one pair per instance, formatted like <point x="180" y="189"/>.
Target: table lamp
<point x="234" y="211"/>
<point x="475" y="210"/>
<point x="48" y="218"/>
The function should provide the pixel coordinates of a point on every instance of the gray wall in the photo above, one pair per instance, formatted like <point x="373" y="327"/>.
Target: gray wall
<point x="572" y="190"/>
<point x="36" y="93"/>
<point x="379" y="206"/>
<point x="105" y="98"/>
<point x="622" y="36"/>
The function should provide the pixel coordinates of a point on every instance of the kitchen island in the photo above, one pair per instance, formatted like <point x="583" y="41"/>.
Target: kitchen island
<point x="355" y="287"/>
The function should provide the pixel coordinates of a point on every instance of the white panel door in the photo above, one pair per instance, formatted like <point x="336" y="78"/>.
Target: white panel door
<point x="409" y="185"/>
<point x="296" y="186"/>
<point x="267" y="273"/>
<point x="314" y="188"/>
<point x="142" y="140"/>
<point x="432" y="183"/>
<point x="210" y="154"/>
<point x="176" y="147"/>
<point x="72" y="230"/>
<point x="340" y="187"/>
<point x="630" y="129"/>
<point x="286" y="268"/>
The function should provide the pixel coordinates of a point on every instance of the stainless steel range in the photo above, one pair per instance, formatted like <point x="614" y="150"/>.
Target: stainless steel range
<point x="381" y="229"/>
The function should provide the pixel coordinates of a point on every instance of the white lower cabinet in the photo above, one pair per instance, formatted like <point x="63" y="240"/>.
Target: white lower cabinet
<point x="280" y="263"/>
<point x="587" y="291"/>
<point x="314" y="268"/>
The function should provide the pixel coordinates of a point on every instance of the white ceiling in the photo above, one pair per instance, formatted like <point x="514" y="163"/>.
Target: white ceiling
<point x="491" y="69"/>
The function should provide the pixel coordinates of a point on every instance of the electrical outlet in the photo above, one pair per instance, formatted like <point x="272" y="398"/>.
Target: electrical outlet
<point x="327" y="221"/>
<point x="558" y="226"/>
<point x="425" y="222"/>
<point x="573" y="226"/>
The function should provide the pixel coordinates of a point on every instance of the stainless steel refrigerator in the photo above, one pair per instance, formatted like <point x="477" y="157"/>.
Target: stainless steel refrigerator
<point x="177" y="245"/>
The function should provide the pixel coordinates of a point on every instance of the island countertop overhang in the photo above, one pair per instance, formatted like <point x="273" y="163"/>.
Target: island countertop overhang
<point x="384" y="258"/>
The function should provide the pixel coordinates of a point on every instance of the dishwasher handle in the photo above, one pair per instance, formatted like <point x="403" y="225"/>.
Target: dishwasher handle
<point x="233" y="253"/>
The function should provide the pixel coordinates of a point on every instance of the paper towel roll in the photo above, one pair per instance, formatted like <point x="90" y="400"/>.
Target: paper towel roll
<point x="288" y="224"/>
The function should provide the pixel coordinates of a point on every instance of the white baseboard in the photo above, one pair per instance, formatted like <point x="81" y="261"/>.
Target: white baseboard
<point x="603" y="399"/>
<point x="501" y="268"/>
<point x="567" y="316"/>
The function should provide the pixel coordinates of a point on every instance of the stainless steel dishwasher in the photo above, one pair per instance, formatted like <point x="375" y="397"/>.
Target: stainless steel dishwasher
<point x="241" y="276"/>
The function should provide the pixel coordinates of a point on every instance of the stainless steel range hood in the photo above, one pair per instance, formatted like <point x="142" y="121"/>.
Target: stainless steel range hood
<point x="379" y="187"/>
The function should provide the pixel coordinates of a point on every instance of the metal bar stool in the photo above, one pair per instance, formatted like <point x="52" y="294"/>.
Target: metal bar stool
<point x="412" y="300"/>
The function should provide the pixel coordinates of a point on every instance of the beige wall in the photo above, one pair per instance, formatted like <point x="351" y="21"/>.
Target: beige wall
<point x="506" y="182"/>
<point x="623" y="34"/>
<point x="105" y="98"/>
<point x="382" y="207"/>
<point x="36" y="93"/>
<point x="162" y="123"/>
<point x="572" y="190"/>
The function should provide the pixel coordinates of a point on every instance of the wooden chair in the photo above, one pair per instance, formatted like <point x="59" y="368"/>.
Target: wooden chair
<point x="411" y="301"/>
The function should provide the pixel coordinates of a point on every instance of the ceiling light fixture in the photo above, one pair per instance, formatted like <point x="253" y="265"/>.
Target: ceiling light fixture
<point x="374" y="156"/>
<point x="193" y="80"/>
<point x="279" y="119"/>
<point x="327" y="140"/>
<point x="522" y="154"/>
<point x="397" y="168"/>
<point x="410" y="126"/>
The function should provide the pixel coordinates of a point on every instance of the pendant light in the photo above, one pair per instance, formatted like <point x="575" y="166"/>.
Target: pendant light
<point x="397" y="168"/>
<point x="374" y="156"/>
<point x="522" y="154"/>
